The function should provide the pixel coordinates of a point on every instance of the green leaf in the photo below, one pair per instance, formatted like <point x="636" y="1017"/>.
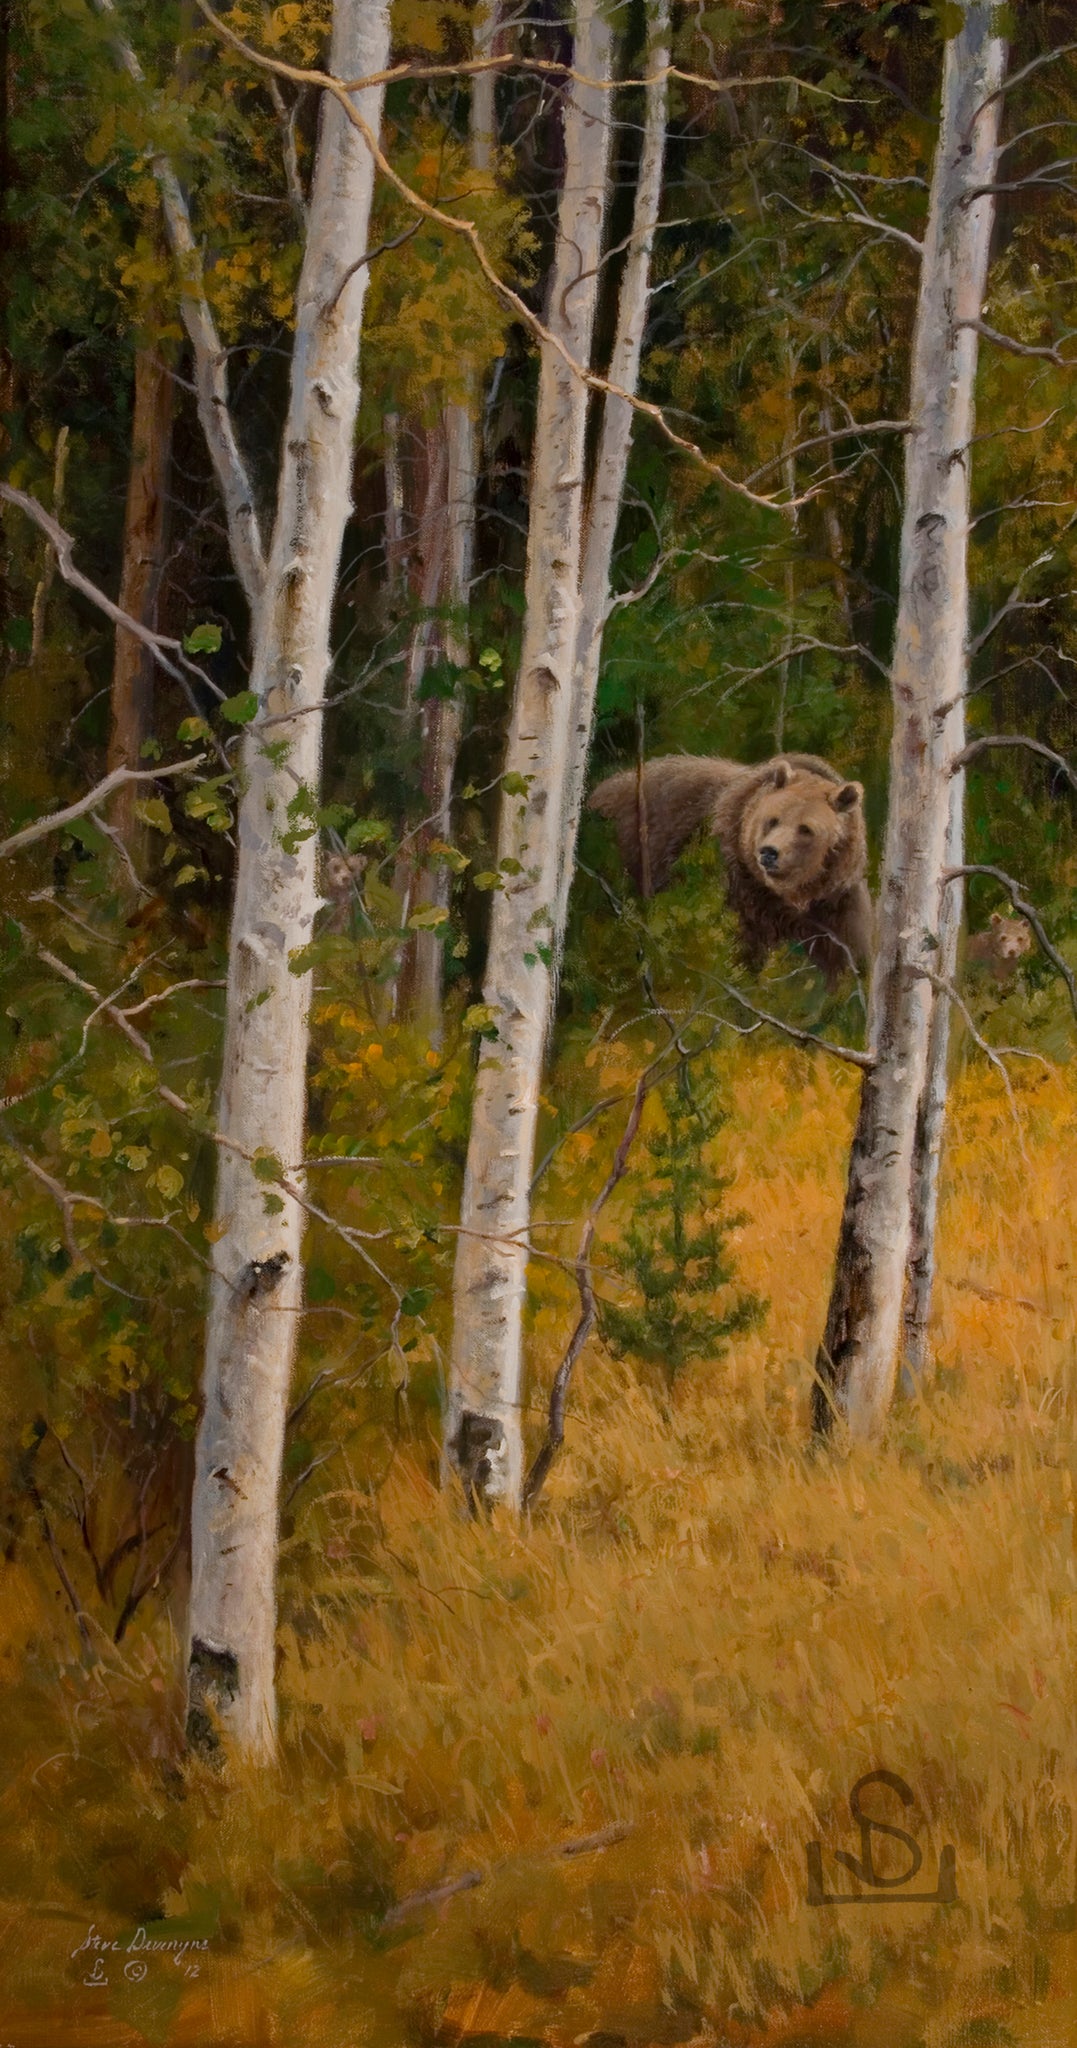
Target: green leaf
<point x="416" y="1300"/>
<point x="489" y="658"/>
<point x="272" y="1204"/>
<point x="193" y="729"/>
<point x="170" y="1180"/>
<point x="488" y="881"/>
<point x="429" y="919"/>
<point x="481" y="1017"/>
<point x="366" y="832"/>
<point x="321" y="1285"/>
<point x="266" y="1165"/>
<point x="516" y="785"/>
<point x="239" y="710"/>
<point x="203" y="640"/>
<point x="154" y="811"/>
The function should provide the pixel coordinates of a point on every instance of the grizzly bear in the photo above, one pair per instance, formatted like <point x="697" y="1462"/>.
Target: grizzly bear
<point x="791" y="833"/>
<point x="998" y="949"/>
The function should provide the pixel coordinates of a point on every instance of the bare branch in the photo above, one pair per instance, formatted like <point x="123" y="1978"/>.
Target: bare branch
<point x="1013" y="739"/>
<point x="859" y="217"/>
<point x="116" y="779"/>
<point x="468" y="233"/>
<point x="864" y="1060"/>
<point x="210" y="358"/>
<point x="1009" y="341"/>
<point x="824" y="441"/>
<point x="555" y="1427"/>
<point x="63" y="546"/>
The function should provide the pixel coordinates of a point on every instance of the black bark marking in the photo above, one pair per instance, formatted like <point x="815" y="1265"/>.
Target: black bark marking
<point x="476" y="1436"/>
<point x="212" y="1685"/>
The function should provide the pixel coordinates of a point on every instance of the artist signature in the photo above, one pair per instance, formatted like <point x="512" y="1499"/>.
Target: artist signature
<point x="132" y="1951"/>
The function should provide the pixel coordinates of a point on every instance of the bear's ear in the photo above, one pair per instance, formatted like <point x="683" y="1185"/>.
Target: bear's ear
<point x="996" y="917"/>
<point x="848" y="796"/>
<point x="781" y="773"/>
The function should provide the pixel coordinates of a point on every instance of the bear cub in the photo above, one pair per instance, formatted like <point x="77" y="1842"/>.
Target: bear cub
<point x="791" y="834"/>
<point x="998" y="949"/>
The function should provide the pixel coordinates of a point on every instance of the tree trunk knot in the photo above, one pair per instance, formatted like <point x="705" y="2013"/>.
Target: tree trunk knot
<point x="212" y="1685"/>
<point x="477" y="1442"/>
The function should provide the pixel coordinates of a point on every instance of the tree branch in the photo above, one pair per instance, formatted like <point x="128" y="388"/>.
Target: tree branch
<point x="116" y="779"/>
<point x="555" y="1427"/>
<point x="1013" y="739"/>
<point x="1009" y="341"/>
<point x="467" y="232"/>
<point x="210" y="359"/>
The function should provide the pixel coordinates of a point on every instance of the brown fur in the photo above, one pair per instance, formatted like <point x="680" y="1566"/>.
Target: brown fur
<point x="796" y="809"/>
<point x="998" y="949"/>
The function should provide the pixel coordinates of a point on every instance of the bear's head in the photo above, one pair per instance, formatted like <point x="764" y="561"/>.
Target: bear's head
<point x="798" y="830"/>
<point x="1010" y="937"/>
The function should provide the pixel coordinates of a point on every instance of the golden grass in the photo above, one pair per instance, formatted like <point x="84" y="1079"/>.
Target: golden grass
<point x="705" y="1637"/>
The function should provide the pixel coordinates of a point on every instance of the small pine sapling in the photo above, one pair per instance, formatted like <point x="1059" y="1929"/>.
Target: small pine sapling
<point x="675" y="1252"/>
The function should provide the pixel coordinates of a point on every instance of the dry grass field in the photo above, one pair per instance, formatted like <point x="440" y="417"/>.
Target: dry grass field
<point x="676" y="1673"/>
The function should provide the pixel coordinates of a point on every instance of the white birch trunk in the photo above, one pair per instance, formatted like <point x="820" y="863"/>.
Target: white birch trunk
<point x="858" y="1356"/>
<point x="615" y="440"/>
<point x="483" y="1430"/>
<point x="443" y="717"/>
<point x="256" y="1290"/>
<point x="931" y="1116"/>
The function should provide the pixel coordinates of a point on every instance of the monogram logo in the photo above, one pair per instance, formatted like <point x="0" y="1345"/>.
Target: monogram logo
<point x="880" y="1887"/>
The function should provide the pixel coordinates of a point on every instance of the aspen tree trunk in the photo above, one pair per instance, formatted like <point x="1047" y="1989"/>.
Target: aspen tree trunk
<point x="615" y="439"/>
<point x="443" y="717"/>
<point x="483" y="1432"/>
<point x="931" y="1115"/>
<point x="256" y="1290"/>
<point x="144" y="532"/>
<point x="857" y="1359"/>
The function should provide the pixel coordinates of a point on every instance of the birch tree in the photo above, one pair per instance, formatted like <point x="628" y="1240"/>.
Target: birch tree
<point x="256" y="1287"/>
<point x="857" y="1359"/>
<point x="443" y="717"/>
<point x="615" y="438"/>
<point x="483" y="1433"/>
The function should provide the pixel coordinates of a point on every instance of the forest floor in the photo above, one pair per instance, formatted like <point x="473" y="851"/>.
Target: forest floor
<point x="623" y="1724"/>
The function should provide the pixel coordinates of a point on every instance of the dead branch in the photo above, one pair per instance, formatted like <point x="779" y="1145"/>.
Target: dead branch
<point x="210" y="359"/>
<point x="63" y="547"/>
<point x="555" y="1427"/>
<point x="469" y="1880"/>
<point x="1013" y="739"/>
<point x="1010" y="342"/>
<point x="56" y="820"/>
<point x="468" y="233"/>
<point x="849" y="1053"/>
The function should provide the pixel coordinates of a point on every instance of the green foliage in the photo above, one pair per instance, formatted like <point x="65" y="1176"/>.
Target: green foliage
<point x="676" y="1251"/>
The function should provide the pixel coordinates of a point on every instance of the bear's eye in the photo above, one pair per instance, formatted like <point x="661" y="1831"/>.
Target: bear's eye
<point x="806" y="831"/>
<point x="772" y="825"/>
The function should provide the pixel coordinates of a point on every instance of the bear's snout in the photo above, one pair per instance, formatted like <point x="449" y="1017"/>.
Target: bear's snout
<point x="768" y="858"/>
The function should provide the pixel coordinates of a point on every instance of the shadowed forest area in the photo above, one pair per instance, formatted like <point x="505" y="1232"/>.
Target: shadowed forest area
<point x="529" y="1371"/>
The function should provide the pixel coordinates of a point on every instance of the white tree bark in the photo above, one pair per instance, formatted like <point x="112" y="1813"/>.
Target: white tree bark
<point x="483" y="1431"/>
<point x="931" y="1116"/>
<point x="443" y="717"/>
<point x="210" y="359"/>
<point x="615" y="439"/>
<point x="256" y="1290"/>
<point x="857" y="1359"/>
